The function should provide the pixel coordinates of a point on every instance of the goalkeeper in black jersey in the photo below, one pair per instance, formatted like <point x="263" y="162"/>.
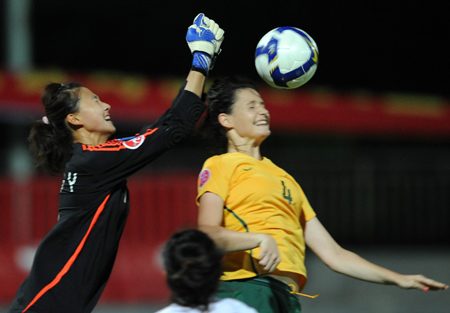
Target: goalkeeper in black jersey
<point x="74" y="261"/>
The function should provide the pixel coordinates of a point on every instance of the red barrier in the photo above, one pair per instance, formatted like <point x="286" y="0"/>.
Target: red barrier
<point x="139" y="100"/>
<point x="160" y="205"/>
<point x="5" y="212"/>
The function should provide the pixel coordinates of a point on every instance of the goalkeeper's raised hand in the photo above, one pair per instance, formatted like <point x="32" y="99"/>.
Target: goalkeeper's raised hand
<point x="204" y="38"/>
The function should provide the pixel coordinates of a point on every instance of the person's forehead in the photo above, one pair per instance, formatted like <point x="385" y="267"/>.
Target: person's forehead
<point x="247" y="94"/>
<point x="85" y="92"/>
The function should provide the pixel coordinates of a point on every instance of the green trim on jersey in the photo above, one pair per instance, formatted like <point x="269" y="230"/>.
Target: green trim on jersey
<point x="252" y="261"/>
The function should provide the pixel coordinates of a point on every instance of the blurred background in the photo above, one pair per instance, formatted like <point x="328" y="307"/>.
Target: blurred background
<point x="368" y="138"/>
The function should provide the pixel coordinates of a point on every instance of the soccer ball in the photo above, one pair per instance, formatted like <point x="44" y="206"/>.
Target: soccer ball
<point x="286" y="57"/>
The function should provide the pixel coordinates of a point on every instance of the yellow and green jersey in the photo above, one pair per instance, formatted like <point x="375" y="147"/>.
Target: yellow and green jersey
<point x="259" y="197"/>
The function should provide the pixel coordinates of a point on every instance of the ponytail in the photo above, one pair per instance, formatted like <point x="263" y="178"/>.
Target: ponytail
<point x="51" y="138"/>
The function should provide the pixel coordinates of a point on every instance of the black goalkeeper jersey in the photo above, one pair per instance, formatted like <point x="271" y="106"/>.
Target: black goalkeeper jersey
<point x="74" y="261"/>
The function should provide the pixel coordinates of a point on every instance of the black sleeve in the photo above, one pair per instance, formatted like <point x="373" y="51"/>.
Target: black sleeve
<point x="163" y="117"/>
<point x="180" y="119"/>
<point x="120" y="158"/>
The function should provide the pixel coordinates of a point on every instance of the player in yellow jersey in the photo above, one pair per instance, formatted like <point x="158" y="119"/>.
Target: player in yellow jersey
<point x="259" y="214"/>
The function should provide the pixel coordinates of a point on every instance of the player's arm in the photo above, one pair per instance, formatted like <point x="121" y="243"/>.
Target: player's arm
<point x="210" y="219"/>
<point x="348" y="263"/>
<point x="195" y="82"/>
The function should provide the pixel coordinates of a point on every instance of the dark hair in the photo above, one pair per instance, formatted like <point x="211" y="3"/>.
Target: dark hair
<point x="193" y="265"/>
<point x="221" y="98"/>
<point x="51" y="138"/>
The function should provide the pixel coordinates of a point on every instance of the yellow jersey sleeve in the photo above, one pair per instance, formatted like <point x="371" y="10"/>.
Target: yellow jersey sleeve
<point x="307" y="211"/>
<point x="214" y="177"/>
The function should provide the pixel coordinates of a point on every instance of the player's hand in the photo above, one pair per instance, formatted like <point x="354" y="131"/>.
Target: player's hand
<point x="420" y="282"/>
<point x="219" y="39"/>
<point x="204" y="35"/>
<point x="204" y="38"/>
<point x="269" y="257"/>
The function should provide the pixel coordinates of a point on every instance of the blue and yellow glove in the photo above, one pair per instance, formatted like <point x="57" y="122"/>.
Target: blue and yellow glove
<point x="204" y="37"/>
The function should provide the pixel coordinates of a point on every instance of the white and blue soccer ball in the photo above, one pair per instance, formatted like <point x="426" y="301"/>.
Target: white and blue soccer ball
<point x="286" y="57"/>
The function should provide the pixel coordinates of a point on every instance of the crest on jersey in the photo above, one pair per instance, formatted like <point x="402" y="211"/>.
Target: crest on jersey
<point x="203" y="177"/>
<point x="133" y="142"/>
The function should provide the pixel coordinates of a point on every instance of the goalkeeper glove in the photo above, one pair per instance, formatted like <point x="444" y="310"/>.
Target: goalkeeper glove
<point x="204" y="38"/>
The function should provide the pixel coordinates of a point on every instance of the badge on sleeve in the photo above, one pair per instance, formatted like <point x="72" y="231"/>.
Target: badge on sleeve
<point x="203" y="177"/>
<point x="133" y="142"/>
